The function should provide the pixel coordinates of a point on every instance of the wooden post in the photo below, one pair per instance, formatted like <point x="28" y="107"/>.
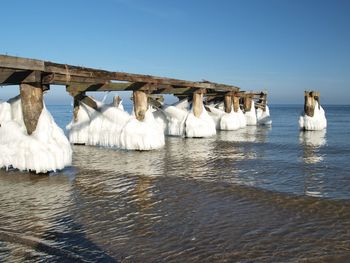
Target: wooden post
<point x="140" y="104"/>
<point x="76" y="106"/>
<point x="310" y="102"/>
<point x="32" y="104"/>
<point x="235" y="103"/>
<point x="247" y="103"/>
<point x="116" y="101"/>
<point x="228" y="103"/>
<point x="197" y="104"/>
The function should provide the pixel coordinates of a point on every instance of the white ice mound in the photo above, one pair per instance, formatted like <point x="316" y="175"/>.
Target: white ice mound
<point x="142" y="135"/>
<point x="316" y="123"/>
<point x="250" y="116"/>
<point x="232" y="121"/>
<point x="263" y="117"/>
<point x="203" y="126"/>
<point x="176" y="117"/>
<point x="46" y="149"/>
<point x="216" y="114"/>
<point x="113" y="127"/>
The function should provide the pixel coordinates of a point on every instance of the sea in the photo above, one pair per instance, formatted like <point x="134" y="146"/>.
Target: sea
<point x="259" y="194"/>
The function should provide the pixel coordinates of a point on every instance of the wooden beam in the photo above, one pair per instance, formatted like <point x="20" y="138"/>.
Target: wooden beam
<point x="32" y="105"/>
<point x="140" y="104"/>
<point x="14" y="77"/>
<point x="64" y="74"/>
<point x="21" y="63"/>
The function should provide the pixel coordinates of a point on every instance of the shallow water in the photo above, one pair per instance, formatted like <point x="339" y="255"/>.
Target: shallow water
<point x="259" y="194"/>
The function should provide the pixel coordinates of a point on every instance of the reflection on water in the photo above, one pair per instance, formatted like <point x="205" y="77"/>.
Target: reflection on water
<point x="258" y="194"/>
<point x="312" y="141"/>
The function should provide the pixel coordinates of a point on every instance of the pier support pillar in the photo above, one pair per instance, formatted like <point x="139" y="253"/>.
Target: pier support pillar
<point x="116" y="101"/>
<point x="32" y="104"/>
<point x="247" y="103"/>
<point x="235" y="99"/>
<point x="310" y="101"/>
<point x="197" y="103"/>
<point x="228" y="103"/>
<point x="140" y="104"/>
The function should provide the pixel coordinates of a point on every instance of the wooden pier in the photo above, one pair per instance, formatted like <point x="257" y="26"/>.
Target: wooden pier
<point x="35" y="76"/>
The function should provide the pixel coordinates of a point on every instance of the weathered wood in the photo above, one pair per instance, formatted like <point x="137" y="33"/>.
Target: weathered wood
<point x="140" y="104"/>
<point x="247" y="103"/>
<point x="32" y="105"/>
<point x="228" y="103"/>
<point x="21" y="63"/>
<point x="13" y="76"/>
<point x="64" y="74"/>
<point x="116" y="101"/>
<point x="197" y="104"/>
<point x="79" y="98"/>
<point x="310" y="101"/>
<point x="235" y="103"/>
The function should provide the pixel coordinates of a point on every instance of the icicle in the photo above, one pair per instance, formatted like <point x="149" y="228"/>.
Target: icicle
<point x="204" y="126"/>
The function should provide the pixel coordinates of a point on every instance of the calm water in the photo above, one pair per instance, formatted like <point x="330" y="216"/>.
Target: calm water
<point x="255" y="195"/>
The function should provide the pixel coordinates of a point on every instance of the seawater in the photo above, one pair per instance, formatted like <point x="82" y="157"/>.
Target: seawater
<point x="259" y="194"/>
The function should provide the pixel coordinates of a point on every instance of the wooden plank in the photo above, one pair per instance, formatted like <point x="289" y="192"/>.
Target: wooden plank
<point x="21" y="63"/>
<point x="67" y="72"/>
<point x="32" y="105"/>
<point x="13" y="77"/>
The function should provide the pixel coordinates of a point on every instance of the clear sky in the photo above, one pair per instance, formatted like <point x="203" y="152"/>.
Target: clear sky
<point x="282" y="46"/>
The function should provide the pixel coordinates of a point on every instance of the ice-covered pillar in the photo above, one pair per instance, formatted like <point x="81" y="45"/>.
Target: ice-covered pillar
<point x="247" y="103"/>
<point x="263" y="100"/>
<point x="140" y="104"/>
<point x="32" y="104"/>
<point x="116" y="101"/>
<point x="310" y="102"/>
<point x="197" y="103"/>
<point x="235" y="103"/>
<point x="228" y="103"/>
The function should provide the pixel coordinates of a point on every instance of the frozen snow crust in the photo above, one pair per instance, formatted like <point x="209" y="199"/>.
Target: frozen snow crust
<point x="263" y="117"/>
<point x="316" y="123"/>
<point x="182" y="122"/>
<point x="114" y="127"/>
<point x="227" y="121"/>
<point x="46" y="149"/>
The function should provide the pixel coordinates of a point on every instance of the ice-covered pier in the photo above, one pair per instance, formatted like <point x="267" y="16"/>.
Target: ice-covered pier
<point x="31" y="140"/>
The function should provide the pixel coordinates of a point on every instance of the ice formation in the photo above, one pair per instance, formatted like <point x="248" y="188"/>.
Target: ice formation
<point x="46" y="149"/>
<point x="316" y="123"/>
<point x="202" y="126"/>
<point x="182" y="122"/>
<point x="227" y="121"/>
<point x="263" y="117"/>
<point x="250" y="116"/>
<point x="113" y="127"/>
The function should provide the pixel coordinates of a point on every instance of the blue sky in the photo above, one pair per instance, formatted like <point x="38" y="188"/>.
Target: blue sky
<point x="282" y="46"/>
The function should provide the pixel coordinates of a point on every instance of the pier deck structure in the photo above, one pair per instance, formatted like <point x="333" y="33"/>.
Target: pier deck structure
<point x="35" y="76"/>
